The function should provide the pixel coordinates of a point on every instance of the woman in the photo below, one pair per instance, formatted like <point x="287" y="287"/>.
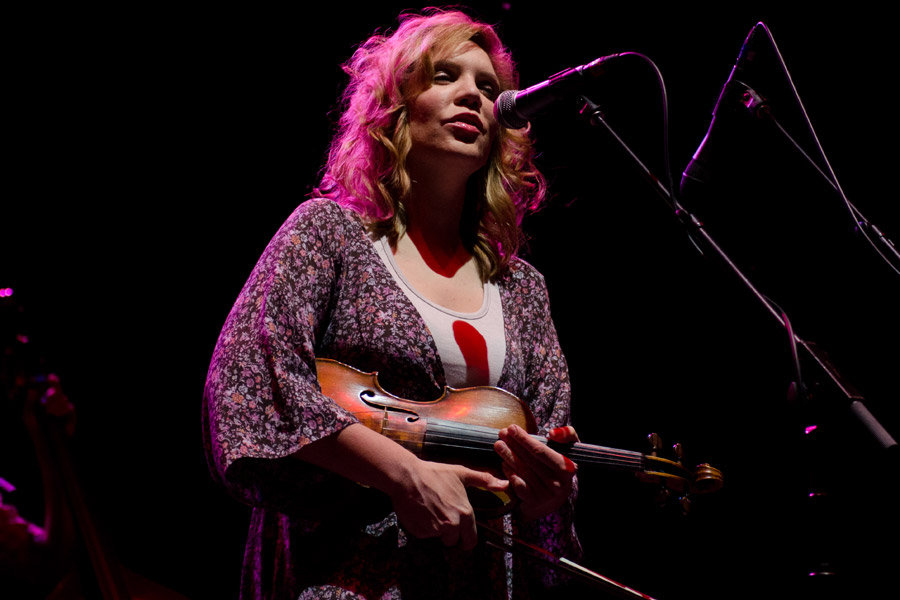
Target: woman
<point x="405" y="265"/>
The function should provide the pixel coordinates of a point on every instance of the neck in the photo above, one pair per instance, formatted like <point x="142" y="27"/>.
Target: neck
<point x="436" y="200"/>
<point x="434" y="211"/>
<point x="433" y="227"/>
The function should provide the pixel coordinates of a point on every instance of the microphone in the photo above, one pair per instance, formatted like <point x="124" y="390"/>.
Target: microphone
<point x="698" y="169"/>
<point x="514" y="108"/>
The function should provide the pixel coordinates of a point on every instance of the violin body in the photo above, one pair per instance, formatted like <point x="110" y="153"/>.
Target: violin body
<point x="462" y="425"/>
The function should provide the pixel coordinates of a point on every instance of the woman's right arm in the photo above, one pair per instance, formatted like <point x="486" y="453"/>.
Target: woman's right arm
<point x="429" y="498"/>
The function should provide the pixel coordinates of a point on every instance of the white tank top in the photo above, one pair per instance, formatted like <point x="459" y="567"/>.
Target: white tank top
<point x="472" y="346"/>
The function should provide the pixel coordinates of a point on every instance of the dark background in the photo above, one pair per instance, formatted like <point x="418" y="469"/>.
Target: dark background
<point x="154" y="153"/>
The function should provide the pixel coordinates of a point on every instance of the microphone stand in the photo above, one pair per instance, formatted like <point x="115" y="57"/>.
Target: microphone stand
<point x="759" y="108"/>
<point x="861" y="220"/>
<point x="592" y="113"/>
<point x="701" y="238"/>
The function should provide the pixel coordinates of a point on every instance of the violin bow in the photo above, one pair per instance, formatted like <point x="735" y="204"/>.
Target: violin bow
<point x="510" y="543"/>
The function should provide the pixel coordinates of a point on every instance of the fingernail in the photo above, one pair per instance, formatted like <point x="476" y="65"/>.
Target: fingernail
<point x="558" y="431"/>
<point x="570" y="466"/>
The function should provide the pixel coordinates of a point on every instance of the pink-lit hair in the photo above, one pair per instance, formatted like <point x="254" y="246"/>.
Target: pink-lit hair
<point x="366" y="166"/>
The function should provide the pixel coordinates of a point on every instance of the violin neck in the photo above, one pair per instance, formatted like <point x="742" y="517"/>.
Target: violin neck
<point x="444" y="440"/>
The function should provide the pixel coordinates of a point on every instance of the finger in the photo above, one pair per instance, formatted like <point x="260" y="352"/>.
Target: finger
<point x="505" y="449"/>
<point x="521" y="460"/>
<point x="552" y="457"/>
<point x="564" y="435"/>
<point x="518" y="486"/>
<point x="527" y="478"/>
<point x="540" y="458"/>
<point x="481" y="479"/>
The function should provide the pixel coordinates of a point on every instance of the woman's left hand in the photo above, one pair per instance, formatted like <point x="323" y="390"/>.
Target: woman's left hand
<point x="540" y="477"/>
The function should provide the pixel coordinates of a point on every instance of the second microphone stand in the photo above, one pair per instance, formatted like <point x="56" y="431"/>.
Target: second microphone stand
<point x="852" y="399"/>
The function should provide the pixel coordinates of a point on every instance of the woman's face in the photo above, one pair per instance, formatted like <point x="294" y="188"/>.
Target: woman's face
<point x="452" y="122"/>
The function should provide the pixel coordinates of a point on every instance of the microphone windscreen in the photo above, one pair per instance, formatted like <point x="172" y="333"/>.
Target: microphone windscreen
<point x="505" y="111"/>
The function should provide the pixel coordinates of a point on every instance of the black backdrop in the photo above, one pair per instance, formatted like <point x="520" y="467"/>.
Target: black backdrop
<point x="155" y="152"/>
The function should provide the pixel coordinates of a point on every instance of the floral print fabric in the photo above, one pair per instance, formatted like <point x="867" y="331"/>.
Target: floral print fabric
<point x="320" y="290"/>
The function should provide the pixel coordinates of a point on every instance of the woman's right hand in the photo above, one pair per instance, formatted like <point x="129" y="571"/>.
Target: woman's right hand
<point x="429" y="498"/>
<point x="431" y="501"/>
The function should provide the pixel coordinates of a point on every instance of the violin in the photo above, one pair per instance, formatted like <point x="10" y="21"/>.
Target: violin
<point x="462" y="425"/>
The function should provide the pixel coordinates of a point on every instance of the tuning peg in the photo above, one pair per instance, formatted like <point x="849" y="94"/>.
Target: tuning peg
<point x="678" y="451"/>
<point x="685" y="503"/>
<point x="655" y="443"/>
<point x="662" y="497"/>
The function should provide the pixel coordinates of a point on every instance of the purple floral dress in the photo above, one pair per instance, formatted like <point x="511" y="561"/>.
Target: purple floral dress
<point x="321" y="290"/>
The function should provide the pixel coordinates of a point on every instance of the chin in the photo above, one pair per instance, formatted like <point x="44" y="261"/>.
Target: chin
<point x="468" y="160"/>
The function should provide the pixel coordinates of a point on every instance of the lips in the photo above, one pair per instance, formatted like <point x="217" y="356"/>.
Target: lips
<point x="467" y="119"/>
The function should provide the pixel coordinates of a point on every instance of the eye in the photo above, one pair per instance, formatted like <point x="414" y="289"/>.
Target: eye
<point x="490" y="90"/>
<point x="445" y="72"/>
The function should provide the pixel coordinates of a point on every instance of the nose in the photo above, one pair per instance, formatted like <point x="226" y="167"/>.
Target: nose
<point x="468" y="94"/>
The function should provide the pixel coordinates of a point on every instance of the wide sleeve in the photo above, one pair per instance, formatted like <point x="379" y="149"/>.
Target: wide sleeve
<point x="540" y="363"/>
<point x="262" y="402"/>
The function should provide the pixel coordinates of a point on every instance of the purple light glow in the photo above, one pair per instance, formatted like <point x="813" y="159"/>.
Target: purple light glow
<point x="810" y="429"/>
<point x="6" y="292"/>
<point x="6" y="486"/>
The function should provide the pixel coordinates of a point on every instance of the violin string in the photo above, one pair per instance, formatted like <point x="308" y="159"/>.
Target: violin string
<point x="463" y="436"/>
<point x="441" y="433"/>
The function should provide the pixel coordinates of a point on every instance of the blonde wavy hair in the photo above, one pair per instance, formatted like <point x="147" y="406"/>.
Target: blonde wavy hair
<point x="366" y="165"/>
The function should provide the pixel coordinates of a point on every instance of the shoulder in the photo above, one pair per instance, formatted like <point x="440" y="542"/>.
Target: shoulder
<point x="317" y="234"/>
<point x="522" y="276"/>
<point x="320" y="223"/>
<point x="524" y="291"/>
<point x="324" y="212"/>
